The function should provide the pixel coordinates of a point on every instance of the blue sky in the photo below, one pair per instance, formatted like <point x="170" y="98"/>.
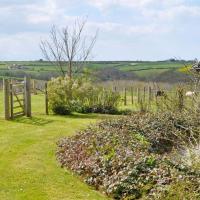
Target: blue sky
<point x="128" y="29"/>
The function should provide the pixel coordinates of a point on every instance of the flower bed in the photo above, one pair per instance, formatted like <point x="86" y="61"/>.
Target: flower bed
<point x="121" y="157"/>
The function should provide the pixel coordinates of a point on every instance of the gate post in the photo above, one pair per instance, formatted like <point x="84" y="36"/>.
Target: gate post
<point x="27" y="87"/>
<point x="11" y="100"/>
<point x="6" y="88"/>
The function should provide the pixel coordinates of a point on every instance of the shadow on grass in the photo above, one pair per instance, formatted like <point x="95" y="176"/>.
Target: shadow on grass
<point x="42" y="121"/>
<point x="87" y="116"/>
<point x="33" y="121"/>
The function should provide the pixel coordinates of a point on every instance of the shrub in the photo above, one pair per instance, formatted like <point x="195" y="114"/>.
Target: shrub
<point x="79" y="95"/>
<point x="118" y="156"/>
<point x="166" y="130"/>
<point x="61" y="109"/>
<point x="59" y="94"/>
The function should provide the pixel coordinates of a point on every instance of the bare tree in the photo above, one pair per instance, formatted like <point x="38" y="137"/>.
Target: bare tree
<point x="69" y="49"/>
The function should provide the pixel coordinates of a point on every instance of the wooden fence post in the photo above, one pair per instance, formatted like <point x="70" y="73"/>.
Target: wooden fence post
<point x="138" y="95"/>
<point x="125" y="98"/>
<point x="180" y="99"/>
<point x="27" y="82"/>
<point x="144" y="95"/>
<point x="132" y="95"/>
<point x="46" y="100"/>
<point x="6" y="88"/>
<point x="34" y="87"/>
<point x="150" y="95"/>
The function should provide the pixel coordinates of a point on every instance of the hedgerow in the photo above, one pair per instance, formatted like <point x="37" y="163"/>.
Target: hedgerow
<point x="129" y="157"/>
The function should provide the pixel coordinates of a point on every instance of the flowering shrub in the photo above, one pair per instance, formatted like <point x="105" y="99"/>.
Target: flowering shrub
<point x="66" y="96"/>
<point x="118" y="156"/>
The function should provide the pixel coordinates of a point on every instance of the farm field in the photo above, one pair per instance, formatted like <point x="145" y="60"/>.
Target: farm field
<point x="28" y="166"/>
<point x="140" y="69"/>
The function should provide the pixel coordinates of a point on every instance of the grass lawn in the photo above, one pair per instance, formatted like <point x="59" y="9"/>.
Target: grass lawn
<point x="28" y="166"/>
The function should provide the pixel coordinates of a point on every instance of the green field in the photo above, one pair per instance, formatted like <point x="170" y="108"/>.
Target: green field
<point x="147" y="68"/>
<point x="44" y="70"/>
<point x="28" y="166"/>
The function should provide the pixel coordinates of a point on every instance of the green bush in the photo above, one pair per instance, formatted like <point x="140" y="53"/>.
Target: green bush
<point x="60" y="96"/>
<point x="79" y="95"/>
<point x="61" y="109"/>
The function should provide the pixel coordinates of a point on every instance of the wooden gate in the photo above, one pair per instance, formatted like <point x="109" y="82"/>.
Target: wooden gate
<point x="17" y="98"/>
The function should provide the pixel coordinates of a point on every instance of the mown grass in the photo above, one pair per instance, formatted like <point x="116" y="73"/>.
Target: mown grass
<point x="28" y="166"/>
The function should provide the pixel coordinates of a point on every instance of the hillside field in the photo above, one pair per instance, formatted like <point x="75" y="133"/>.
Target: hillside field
<point x="103" y="70"/>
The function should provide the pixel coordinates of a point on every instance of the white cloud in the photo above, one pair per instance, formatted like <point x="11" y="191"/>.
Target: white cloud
<point x="37" y="12"/>
<point x="103" y="4"/>
<point x="20" y="46"/>
<point x="118" y="28"/>
<point x="173" y="12"/>
<point x="157" y="9"/>
<point x="43" y="13"/>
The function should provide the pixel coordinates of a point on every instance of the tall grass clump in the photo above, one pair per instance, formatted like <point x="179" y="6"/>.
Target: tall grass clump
<point x="80" y="95"/>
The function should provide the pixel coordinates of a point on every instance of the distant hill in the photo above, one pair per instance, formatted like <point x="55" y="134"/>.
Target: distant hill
<point x="164" y="71"/>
